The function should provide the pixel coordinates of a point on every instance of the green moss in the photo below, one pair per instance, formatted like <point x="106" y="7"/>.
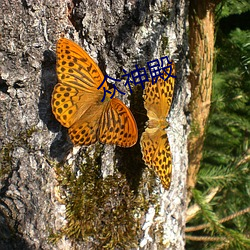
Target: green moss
<point x="28" y="133"/>
<point x="5" y="161"/>
<point x="195" y="129"/>
<point x="105" y="212"/>
<point x="164" y="46"/>
<point x="164" y="19"/>
<point x="165" y="10"/>
<point x="19" y="140"/>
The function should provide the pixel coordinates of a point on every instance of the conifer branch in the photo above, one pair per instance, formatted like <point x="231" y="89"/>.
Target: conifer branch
<point x="194" y="209"/>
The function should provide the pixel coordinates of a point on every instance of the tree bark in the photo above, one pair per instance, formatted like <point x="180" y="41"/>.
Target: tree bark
<point x="43" y="178"/>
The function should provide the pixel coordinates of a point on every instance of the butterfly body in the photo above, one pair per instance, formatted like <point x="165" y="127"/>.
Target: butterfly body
<point x="77" y="105"/>
<point x="154" y="141"/>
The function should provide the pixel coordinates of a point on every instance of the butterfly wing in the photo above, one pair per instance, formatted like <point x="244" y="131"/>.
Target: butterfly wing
<point x="117" y="125"/>
<point x="76" y="68"/>
<point x="158" y="96"/>
<point x="78" y="77"/>
<point x="156" y="154"/>
<point x="85" y="130"/>
<point x="76" y="101"/>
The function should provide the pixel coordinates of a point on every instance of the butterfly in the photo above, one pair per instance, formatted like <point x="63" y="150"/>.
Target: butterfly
<point x="76" y="101"/>
<point x="154" y="141"/>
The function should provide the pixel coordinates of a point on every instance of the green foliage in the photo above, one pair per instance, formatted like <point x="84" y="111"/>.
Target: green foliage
<point x="207" y="211"/>
<point x="230" y="7"/>
<point x="218" y="176"/>
<point x="226" y="153"/>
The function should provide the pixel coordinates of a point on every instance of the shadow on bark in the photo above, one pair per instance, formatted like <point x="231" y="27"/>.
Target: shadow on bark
<point x="61" y="145"/>
<point x="130" y="159"/>
<point x="9" y="239"/>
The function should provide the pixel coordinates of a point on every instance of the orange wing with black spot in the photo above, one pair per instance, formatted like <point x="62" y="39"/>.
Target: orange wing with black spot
<point x="76" y="101"/>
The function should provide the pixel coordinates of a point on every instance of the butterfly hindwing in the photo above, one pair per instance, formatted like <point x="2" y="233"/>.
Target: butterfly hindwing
<point x="85" y="130"/>
<point x="118" y="125"/>
<point x="84" y="133"/>
<point x="156" y="154"/>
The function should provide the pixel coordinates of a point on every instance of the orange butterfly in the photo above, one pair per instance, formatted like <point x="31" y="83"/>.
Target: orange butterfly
<point x="154" y="141"/>
<point x="76" y="101"/>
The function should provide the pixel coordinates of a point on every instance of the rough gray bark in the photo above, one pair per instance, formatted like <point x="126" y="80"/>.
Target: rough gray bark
<point x="118" y="35"/>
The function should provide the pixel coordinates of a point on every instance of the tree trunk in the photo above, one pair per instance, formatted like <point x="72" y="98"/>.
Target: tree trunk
<point x="201" y="40"/>
<point x="54" y="196"/>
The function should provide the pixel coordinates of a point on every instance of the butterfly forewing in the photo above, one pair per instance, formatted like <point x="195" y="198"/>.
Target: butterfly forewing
<point x="63" y="105"/>
<point x="158" y="96"/>
<point x="75" y="67"/>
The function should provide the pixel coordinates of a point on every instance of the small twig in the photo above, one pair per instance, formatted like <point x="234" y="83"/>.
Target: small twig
<point x="205" y="238"/>
<point x="245" y="159"/>
<point x="230" y="217"/>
